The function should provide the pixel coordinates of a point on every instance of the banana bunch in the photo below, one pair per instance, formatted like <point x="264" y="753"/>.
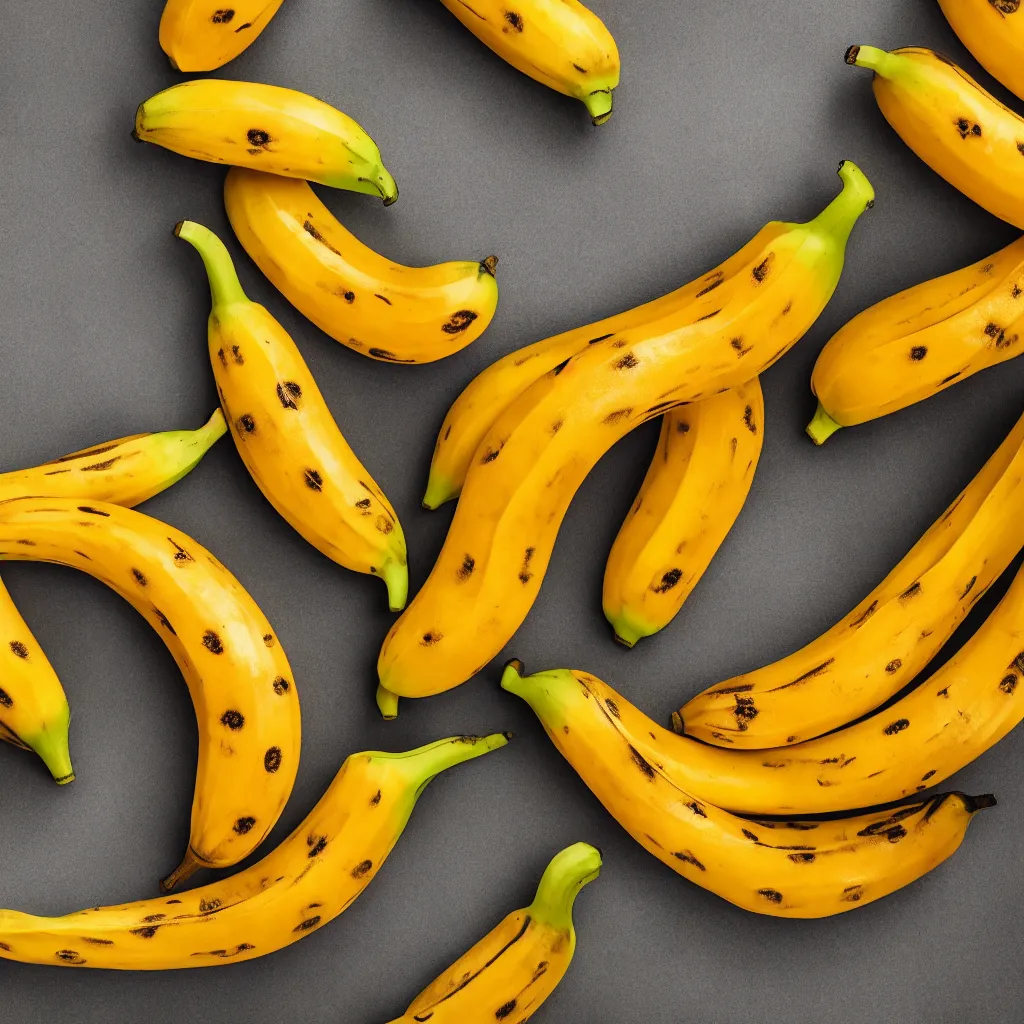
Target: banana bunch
<point x="267" y="128"/>
<point x="888" y="638"/>
<point x="801" y="869"/>
<point x="237" y="674"/>
<point x="993" y="30"/>
<point x="34" y="712"/>
<point x="540" y="449"/>
<point x="958" y="129"/>
<point x="920" y="342"/>
<point x="562" y="45"/>
<point x="201" y="35"/>
<point x="376" y="307"/>
<point x="315" y="874"/>
<point x="286" y="435"/>
<point x="516" y="966"/>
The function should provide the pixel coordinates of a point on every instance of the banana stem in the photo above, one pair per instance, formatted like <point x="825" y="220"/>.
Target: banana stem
<point x="547" y="693"/>
<point x="388" y="704"/>
<point x="424" y="763"/>
<point x="822" y="427"/>
<point x="396" y="578"/>
<point x="880" y="61"/>
<point x="838" y="218"/>
<point x="183" y="872"/>
<point x="438" y="492"/>
<point x="51" y="744"/>
<point x="599" y="105"/>
<point x="561" y="883"/>
<point x="225" y="288"/>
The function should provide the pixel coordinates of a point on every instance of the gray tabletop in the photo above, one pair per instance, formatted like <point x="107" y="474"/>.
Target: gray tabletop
<point x="729" y="115"/>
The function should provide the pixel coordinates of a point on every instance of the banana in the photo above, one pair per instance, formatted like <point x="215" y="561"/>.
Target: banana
<point x="889" y="637"/>
<point x="539" y="451"/>
<point x="920" y="342"/>
<point x="952" y="124"/>
<point x="515" y="967"/>
<point x="306" y="882"/>
<point x="993" y="30"/>
<point x="562" y="45"/>
<point x="236" y="671"/>
<point x="201" y="35"/>
<point x="267" y="128"/>
<point x="378" y="308"/>
<point x="800" y="869"/>
<point x="694" y="491"/>
<point x="286" y="435"/>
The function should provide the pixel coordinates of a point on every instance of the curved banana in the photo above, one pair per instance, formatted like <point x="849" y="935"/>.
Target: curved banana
<point x="539" y="451"/>
<point x="692" y="495"/>
<point x="562" y="45"/>
<point x="378" y="308"/>
<point x="920" y="342"/>
<point x="516" y="966"/>
<point x="286" y="435"/>
<point x="315" y="874"/>
<point x="267" y="128"/>
<point x="993" y="30"/>
<point x="202" y="35"/>
<point x="889" y="637"/>
<point x="236" y="671"/>
<point x="782" y="868"/>
<point x="952" y="124"/>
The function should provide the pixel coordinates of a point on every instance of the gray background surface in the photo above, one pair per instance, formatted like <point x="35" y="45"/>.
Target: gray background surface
<point x="729" y="115"/>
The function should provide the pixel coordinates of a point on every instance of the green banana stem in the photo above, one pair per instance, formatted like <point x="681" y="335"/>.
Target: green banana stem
<point x="225" y="288"/>
<point x="599" y="105"/>
<point x="880" y="61"/>
<point x="438" y="492"/>
<point x="836" y="221"/>
<point x="424" y="763"/>
<point x="388" y="704"/>
<point x="396" y="578"/>
<point x="545" y="692"/>
<point x="561" y="883"/>
<point x="195" y="444"/>
<point x="822" y="427"/>
<point x="51" y="744"/>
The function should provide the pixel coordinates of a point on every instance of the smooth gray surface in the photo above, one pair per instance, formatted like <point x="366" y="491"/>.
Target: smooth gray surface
<point x="729" y="115"/>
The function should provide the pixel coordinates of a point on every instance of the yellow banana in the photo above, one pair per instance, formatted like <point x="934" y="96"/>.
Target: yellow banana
<point x="920" y="342"/>
<point x="782" y="868"/>
<point x="993" y="30"/>
<point x="378" y="308"/>
<point x="952" y="124"/>
<point x="559" y="43"/>
<point x="236" y="671"/>
<point x="694" y="491"/>
<point x="201" y="35"/>
<point x="315" y="874"/>
<point x="889" y="637"/>
<point x="539" y="451"/>
<point x="267" y="128"/>
<point x="34" y="711"/>
<point x="516" y="966"/>
<point x="286" y="435"/>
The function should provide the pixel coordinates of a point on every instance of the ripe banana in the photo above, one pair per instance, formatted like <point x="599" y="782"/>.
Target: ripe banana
<point x="782" y="868"/>
<point x="515" y="967"/>
<point x="201" y="35"/>
<point x="266" y="128"/>
<point x="889" y="637"/>
<point x="920" y="342"/>
<point x="562" y="45"/>
<point x="952" y="124"/>
<point x="286" y="435"/>
<point x="376" y="307"/>
<point x="694" y="491"/>
<point x="34" y="711"/>
<point x="993" y="30"/>
<point x="539" y="451"/>
<point x="315" y="874"/>
<point x="236" y="671"/>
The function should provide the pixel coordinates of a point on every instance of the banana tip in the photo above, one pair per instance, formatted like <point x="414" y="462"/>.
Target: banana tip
<point x="387" y="702"/>
<point x="178" y="228"/>
<point x="852" y="54"/>
<point x="490" y="264"/>
<point x="65" y="779"/>
<point x="977" y="803"/>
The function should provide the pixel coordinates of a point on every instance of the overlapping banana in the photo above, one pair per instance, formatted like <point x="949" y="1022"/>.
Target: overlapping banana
<point x="34" y="711"/>
<point x="692" y="495"/>
<point x="889" y="637"/>
<point x="951" y="123"/>
<point x="287" y="436"/>
<point x="267" y="128"/>
<point x="236" y="671"/>
<point x="538" y="452"/>
<point x="563" y="45"/>
<point x="201" y="35"/>
<point x="515" y="967"/>
<point x="378" y="308"/>
<point x="923" y="340"/>
<point x="794" y="868"/>
<point x="993" y="30"/>
<point x="315" y="874"/>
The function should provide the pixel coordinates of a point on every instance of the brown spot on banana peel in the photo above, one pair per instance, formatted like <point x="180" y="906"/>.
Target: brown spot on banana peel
<point x="288" y="394"/>
<point x="387" y="357"/>
<point x="222" y="17"/>
<point x="459" y="321"/>
<point x="764" y="268"/>
<point x="515" y="20"/>
<point x="811" y="674"/>
<point x="966" y="129"/>
<point x="668" y="581"/>
<point x="918" y="352"/>
<point x="310" y="228"/>
<point x="466" y="569"/>
<point x="258" y="137"/>
<point x="910" y="593"/>
<point x="718" y="279"/>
